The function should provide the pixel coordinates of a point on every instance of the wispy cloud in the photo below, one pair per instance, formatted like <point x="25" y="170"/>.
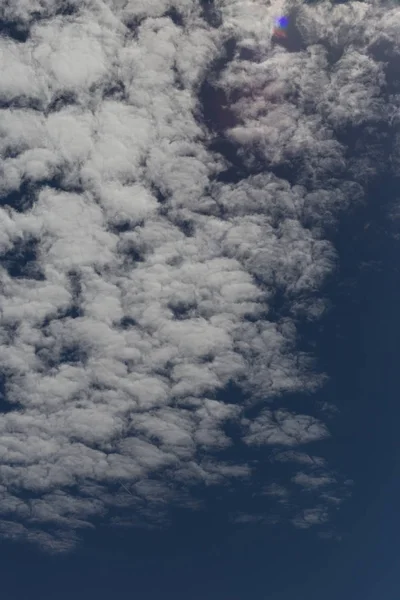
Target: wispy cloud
<point x="284" y="428"/>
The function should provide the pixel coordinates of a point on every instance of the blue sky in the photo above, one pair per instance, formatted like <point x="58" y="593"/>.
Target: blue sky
<point x="199" y="233"/>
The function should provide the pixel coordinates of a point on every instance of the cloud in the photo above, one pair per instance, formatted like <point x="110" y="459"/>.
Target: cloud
<point x="149" y="265"/>
<point x="281" y="428"/>
<point x="310" y="517"/>
<point x="312" y="482"/>
<point x="299" y="457"/>
<point x="277" y="491"/>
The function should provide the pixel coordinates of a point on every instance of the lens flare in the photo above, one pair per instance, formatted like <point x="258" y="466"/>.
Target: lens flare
<point x="281" y="24"/>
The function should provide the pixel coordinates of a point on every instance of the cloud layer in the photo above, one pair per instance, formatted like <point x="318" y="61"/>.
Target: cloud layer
<point x="169" y="177"/>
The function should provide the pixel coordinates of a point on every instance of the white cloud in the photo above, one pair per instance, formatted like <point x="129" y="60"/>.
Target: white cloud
<point x="158" y="281"/>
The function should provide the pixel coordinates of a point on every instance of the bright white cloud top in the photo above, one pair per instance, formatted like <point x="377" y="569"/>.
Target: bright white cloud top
<point x="138" y="278"/>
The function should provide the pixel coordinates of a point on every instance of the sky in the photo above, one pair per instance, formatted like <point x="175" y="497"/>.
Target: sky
<point x="199" y="242"/>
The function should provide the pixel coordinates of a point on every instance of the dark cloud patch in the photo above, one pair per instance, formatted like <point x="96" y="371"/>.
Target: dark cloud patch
<point x="115" y="90"/>
<point x="133" y="24"/>
<point x="160" y="194"/>
<point x="21" y="101"/>
<point x="387" y="52"/>
<point x="21" y="260"/>
<point x="67" y="8"/>
<point x="279" y="305"/>
<point x="10" y="152"/>
<point x="210" y="13"/>
<point x="175" y="16"/>
<point x="226" y="55"/>
<point x="247" y="54"/>
<point x="244" y="163"/>
<point x="216" y="112"/>
<point x="127" y="323"/>
<point x="132" y="251"/>
<point x="121" y="227"/>
<point x="187" y="226"/>
<point x="75" y="284"/>
<point x="23" y="199"/>
<point x="5" y="406"/>
<point x="75" y="288"/>
<point x="178" y="79"/>
<point x="15" y="30"/>
<point x="72" y="353"/>
<point x="333" y="53"/>
<point x="17" y="199"/>
<point x="72" y="312"/>
<point x="236" y="169"/>
<point x="61" y="101"/>
<point x="368" y="149"/>
<point x="290" y="171"/>
<point x="182" y="310"/>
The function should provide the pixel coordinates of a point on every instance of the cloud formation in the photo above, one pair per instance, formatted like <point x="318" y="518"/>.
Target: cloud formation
<point x="169" y="176"/>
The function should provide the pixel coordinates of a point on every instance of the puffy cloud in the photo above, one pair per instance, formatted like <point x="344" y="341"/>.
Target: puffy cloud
<point x="148" y="264"/>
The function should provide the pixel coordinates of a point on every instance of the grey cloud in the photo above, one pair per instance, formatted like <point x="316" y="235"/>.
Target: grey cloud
<point x="277" y="491"/>
<point x="312" y="481"/>
<point x="284" y="428"/>
<point x="299" y="457"/>
<point x="311" y="516"/>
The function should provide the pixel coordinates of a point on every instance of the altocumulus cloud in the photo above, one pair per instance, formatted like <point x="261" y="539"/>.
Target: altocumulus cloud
<point x="141" y="274"/>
